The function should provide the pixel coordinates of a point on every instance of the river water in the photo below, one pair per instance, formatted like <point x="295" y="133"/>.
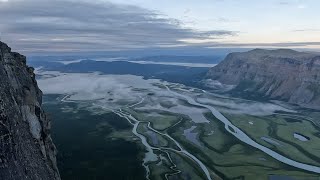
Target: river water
<point x="236" y="132"/>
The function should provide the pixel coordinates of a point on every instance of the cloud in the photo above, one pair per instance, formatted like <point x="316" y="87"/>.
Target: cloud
<point x="295" y="4"/>
<point x="306" y="30"/>
<point x="66" y="25"/>
<point x="210" y="45"/>
<point x="242" y="107"/>
<point x="284" y="3"/>
<point x="302" y="6"/>
<point x="93" y="86"/>
<point x="264" y="45"/>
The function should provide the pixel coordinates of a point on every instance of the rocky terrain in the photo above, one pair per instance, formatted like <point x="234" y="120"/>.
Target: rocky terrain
<point x="276" y="74"/>
<point x="26" y="148"/>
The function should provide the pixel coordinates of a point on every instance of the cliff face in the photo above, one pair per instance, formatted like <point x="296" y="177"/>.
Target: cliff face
<point x="26" y="148"/>
<point x="278" y="74"/>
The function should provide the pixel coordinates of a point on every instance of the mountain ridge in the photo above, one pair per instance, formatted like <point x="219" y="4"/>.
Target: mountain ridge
<point x="283" y="74"/>
<point x="26" y="148"/>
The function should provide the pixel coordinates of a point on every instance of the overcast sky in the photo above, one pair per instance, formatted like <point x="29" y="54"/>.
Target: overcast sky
<point x="40" y="26"/>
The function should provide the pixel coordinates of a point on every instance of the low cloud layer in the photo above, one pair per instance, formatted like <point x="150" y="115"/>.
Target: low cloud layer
<point x="252" y="108"/>
<point x="115" y="91"/>
<point x="92" y="86"/>
<point x="66" y="25"/>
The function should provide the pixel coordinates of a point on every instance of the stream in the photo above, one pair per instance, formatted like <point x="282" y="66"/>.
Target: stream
<point x="236" y="132"/>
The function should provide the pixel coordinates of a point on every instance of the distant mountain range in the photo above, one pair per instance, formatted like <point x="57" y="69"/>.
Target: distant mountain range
<point x="172" y="73"/>
<point x="282" y="74"/>
<point x="184" y="59"/>
<point x="277" y="74"/>
<point x="161" y="58"/>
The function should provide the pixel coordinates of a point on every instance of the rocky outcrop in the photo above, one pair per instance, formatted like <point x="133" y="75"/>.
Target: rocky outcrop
<point x="26" y="148"/>
<point x="277" y="74"/>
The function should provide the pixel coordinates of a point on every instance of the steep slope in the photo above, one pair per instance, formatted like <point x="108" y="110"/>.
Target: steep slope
<point x="26" y="148"/>
<point x="280" y="74"/>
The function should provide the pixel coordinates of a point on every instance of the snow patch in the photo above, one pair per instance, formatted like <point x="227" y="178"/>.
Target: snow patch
<point x="34" y="124"/>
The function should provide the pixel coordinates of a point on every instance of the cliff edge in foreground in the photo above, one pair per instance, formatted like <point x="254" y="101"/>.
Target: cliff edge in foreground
<point x="26" y="147"/>
<point x="277" y="74"/>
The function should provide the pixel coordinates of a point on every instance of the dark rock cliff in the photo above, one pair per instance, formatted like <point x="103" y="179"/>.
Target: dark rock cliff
<point x="26" y="148"/>
<point x="277" y="74"/>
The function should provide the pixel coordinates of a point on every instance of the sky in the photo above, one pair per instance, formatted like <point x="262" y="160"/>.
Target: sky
<point x="64" y="26"/>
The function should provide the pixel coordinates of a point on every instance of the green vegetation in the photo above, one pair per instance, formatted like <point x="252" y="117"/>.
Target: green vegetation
<point x="87" y="148"/>
<point x="278" y="128"/>
<point x="242" y="90"/>
<point x="230" y="158"/>
<point x="159" y="120"/>
<point x="225" y="156"/>
<point x="153" y="138"/>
